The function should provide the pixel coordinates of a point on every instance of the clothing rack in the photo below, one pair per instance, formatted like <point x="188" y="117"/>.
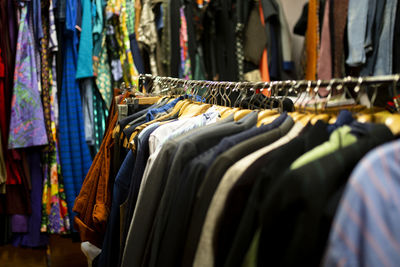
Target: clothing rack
<point x="296" y="86"/>
<point x="350" y="81"/>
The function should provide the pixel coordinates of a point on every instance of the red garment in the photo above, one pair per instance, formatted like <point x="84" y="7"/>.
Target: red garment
<point x="3" y="123"/>
<point x="17" y="198"/>
<point x="13" y="174"/>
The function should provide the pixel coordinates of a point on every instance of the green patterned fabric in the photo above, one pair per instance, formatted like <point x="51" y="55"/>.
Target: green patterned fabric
<point x="103" y="71"/>
<point x="130" y="20"/>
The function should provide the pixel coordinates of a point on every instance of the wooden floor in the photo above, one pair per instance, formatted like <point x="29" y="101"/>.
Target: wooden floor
<point x="64" y="253"/>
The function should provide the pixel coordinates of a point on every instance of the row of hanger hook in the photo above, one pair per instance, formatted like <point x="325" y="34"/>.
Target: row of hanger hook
<point x="300" y="88"/>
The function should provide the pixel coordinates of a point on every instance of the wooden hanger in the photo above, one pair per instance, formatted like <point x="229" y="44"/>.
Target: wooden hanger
<point x="267" y="120"/>
<point x="392" y="121"/>
<point x="324" y="117"/>
<point x="222" y="109"/>
<point x="229" y="112"/>
<point x="193" y="109"/>
<point x="265" y="114"/>
<point x="241" y="114"/>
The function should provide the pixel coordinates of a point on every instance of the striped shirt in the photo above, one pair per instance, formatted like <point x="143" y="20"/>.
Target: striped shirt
<point x="366" y="228"/>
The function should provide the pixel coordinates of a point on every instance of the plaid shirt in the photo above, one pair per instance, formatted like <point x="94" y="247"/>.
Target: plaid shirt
<point x="74" y="152"/>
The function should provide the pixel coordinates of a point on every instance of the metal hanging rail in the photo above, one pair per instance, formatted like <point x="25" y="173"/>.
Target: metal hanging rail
<point x="351" y="81"/>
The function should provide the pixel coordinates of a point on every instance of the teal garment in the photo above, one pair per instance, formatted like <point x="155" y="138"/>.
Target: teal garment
<point x="98" y="20"/>
<point x="85" y="55"/>
<point x="200" y="73"/>
<point x="98" y="26"/>
<point x="100" y="114"/>
<point x="340" y="138"/>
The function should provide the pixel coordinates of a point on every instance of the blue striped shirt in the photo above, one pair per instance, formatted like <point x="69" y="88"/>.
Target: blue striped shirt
<point x="366" y="228"/>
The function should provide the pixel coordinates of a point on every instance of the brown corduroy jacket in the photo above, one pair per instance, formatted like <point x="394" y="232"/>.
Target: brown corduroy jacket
<point x="94" y="200"/>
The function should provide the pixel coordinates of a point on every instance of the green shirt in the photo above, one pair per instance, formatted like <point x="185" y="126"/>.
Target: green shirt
<point x="340" y="138"/>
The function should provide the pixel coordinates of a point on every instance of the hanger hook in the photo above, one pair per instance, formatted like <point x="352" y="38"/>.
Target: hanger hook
<point x="219" y="93"/>
<point x="252" y="89"/>
<point x="207" y="93"/>
<point x="197" y="87"/>
<point x="330" y="92"/>
<point x="210" y="86"/>
<point x="272" y="89"/>
<point x="297" y="89"/>
<point x="268" y="99"/>
<point x="215" y="92"/>
<point x="279" y="88"/>
<point x="222" y="90"/>
<point x="264" y="86"/>
<point x="243" y="94"/>
<point x="287" y="83"/>
<point x="227" y="93"/>
<point x="316" y="89"/>
<point x="189" y="90"/>
<point x="308" y="89"/>
<point x="245" y="84"/>
<point x="358" y="86"/>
